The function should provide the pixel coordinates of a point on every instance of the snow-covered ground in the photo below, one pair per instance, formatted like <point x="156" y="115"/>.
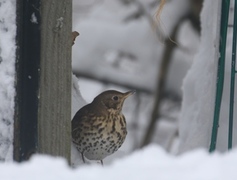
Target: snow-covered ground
<point x="150" y="163"/>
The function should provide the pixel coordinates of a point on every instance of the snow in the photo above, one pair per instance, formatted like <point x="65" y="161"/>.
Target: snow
<point x="200" y="83"/>
<point x="113" y="44"/>
<point x="77" y="100"/>
<point x="7" y="76"/>
<point x="150" y="163"/>
<point x="34" y="19"/>
<point x="77" y="103"/>
<point x="196" y="118"/>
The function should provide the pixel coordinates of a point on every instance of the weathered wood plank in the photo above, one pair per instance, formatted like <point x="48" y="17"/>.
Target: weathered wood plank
<point x="54" y="114"/>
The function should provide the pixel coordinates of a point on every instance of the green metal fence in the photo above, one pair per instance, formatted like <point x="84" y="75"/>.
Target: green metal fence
<point x="233" y="72"/>
<point x="221" y="72"/>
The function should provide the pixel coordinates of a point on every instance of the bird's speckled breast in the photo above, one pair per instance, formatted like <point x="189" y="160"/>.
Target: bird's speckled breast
<point x="102" y="137"/>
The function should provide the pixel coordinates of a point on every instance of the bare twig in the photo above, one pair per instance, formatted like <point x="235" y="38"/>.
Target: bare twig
<point x="166" y="59"/>
<point x="158" y="31"/>
<point x="162" y="75"/>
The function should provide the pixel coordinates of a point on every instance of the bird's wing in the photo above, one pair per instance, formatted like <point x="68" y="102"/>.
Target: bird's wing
<point x="81" y="116"/>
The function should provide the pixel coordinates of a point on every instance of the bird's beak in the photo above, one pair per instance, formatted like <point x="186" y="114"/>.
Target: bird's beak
<point x="129" y="93"/>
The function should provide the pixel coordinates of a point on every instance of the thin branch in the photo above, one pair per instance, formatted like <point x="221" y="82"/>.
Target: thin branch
<point x="162" y="75"/>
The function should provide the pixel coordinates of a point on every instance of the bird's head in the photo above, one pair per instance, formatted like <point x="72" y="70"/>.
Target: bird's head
<point x="112" y="100"/>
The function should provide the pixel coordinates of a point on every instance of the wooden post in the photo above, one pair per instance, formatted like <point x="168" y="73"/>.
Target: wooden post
<point x="43" y="98"/>
<point x="54" y="123"/>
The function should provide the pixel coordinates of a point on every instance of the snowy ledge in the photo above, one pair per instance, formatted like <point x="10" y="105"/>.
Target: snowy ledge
<point x="148" y="164"/>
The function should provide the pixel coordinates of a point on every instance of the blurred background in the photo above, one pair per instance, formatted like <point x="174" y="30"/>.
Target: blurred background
<point x="130" y="44"/>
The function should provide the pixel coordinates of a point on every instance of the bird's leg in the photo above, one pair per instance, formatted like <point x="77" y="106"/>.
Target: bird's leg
<point x="83" y="159"/>
<point x="101" y="161"/>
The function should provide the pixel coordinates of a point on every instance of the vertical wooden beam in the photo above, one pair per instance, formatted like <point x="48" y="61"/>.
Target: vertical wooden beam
<point x="55" y="82"/>
<point x="43" y="86"/>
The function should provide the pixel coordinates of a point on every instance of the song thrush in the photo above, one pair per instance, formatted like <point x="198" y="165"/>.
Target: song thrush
<point x="99" y="128"/>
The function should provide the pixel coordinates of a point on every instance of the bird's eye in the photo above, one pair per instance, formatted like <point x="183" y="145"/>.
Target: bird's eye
<point x="115" y="98"/>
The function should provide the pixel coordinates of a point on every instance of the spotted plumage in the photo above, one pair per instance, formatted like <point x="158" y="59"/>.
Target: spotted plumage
<point x="99" y="128"/>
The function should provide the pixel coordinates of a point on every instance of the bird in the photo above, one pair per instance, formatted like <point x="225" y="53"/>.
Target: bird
<point x="99" y="128"/>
